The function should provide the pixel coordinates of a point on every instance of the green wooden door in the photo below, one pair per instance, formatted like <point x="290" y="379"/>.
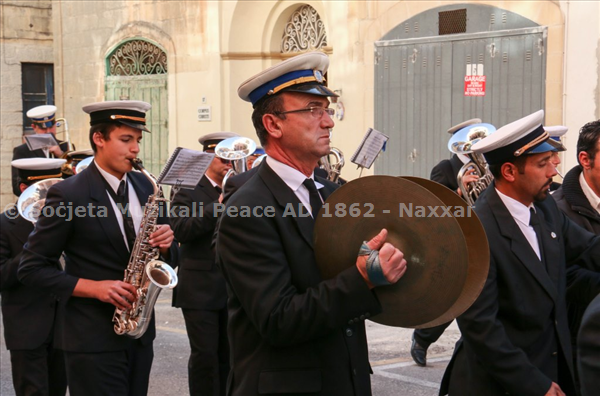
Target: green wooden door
<point x="154" y="150"/>
<point x="137" y="70"/>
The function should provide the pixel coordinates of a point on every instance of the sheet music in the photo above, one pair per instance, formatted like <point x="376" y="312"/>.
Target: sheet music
<point x="40" y="141"/>
<point x="185" y="168"/>
<point x="369" y="149"/>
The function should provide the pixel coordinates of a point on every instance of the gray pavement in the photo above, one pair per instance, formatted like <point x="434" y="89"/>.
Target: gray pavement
<point x="395" y="374"/>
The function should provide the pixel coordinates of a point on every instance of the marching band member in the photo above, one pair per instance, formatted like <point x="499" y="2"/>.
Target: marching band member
<point x="97" y="241"/>
<point x="28" y="313"/>
<point x="201" y="293"/>
<point x="579" y="199"/>
<point x="515" y="337"/>
<point x="445" y="173"/>
<point x="43" y="120"/>
<point x="290" y="331"/>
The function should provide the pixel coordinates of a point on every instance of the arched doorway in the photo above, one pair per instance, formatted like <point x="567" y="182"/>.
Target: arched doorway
<point x="136" y="69"/>
<point x="421" y="83"/>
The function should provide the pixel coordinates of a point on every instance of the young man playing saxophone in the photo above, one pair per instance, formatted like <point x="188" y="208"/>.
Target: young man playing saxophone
<point x="97" y="242"/>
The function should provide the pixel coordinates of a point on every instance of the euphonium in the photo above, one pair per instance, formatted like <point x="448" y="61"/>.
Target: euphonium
<point x="333" y="170"/>
<point x="67" y="168"/>
<point x="461" y="143"/>
<point x="147" y="274"/>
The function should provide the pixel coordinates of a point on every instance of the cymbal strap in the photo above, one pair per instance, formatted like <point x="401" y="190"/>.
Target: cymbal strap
<point x="374" y="270"/>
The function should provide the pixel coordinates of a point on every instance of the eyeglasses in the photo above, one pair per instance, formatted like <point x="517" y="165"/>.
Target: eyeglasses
<point x="224" y="161"/>
<point x="317" y="112"/>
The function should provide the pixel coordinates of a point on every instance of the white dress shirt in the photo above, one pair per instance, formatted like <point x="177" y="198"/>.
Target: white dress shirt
<point x="589" y="193"/>
<point x="294" y="179"/>
<point x="135" y="208"/>
<point x="521" y="214"/>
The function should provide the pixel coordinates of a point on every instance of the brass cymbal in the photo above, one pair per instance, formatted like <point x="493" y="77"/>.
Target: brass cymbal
<point x="432" y="289"/>
<point x="477" y="244"/>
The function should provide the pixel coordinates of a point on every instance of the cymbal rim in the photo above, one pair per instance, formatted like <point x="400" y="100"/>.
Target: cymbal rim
<point x="408" y="303"/>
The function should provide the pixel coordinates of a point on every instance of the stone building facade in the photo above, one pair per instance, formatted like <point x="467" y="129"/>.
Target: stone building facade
<point x="25" y="37"/>
<point x="203" y="50"/>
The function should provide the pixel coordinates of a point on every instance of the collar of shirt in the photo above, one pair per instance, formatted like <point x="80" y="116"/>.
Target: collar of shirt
<point x="292" y="177"/>
<point x="112" y="180"/>
<point x="463" y="158"/>
<point x="521" y="214"/>
<point x="589" y="193"/>
<point x="214" y="184"/>
<point x="517" y="210"/>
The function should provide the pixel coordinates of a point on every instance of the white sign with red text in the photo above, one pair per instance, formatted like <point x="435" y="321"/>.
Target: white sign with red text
<point x="474" y="80"/>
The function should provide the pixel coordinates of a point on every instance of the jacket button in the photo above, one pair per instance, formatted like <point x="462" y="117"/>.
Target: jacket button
<point x="349" y="332"/>
<point x="354" y="371"/>
<point x="368" y="315"/>
<point x="362" y="317"/>
<point x="554" y="353"/>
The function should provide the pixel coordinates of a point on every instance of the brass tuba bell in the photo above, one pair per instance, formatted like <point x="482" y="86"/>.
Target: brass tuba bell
<point x="461" y="143"/>
<point x="32" y="200"/>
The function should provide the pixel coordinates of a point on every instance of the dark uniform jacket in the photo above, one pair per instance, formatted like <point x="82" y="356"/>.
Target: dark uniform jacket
<point x="515" y="336"/>
<point x="589" y="350"/>
<point x="22" y="151"/>
<point x="201" y="284"/>
<point x="291" y="333"/>
<point x="583" y="285"/>
<point x="571" y="200"/>
<point x="445" y="172"/>
<point x="27" y="312"/>
<point x="94" y="248"/>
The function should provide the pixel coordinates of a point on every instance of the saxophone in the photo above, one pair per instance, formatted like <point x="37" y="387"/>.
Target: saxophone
<point x="147" y="274"/>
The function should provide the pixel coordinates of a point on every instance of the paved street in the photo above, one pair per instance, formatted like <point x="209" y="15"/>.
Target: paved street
<point x="395" y="374"/>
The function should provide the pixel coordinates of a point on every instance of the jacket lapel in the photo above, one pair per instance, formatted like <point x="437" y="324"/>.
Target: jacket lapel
<point x="519" y="245"/>
<point x="284" y="196"/>
<point x="21" y="228"/>
<point x="208" y="188"/>
<point x="551" y="247"/>
<point x="110" y="225"/>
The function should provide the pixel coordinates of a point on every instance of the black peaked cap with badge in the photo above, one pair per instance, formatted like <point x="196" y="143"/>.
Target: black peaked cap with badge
<point x="32" y="170"/>
<point x="127" y="112"/>
<point x="210" y="141"/>
<point x="302" y="73"/>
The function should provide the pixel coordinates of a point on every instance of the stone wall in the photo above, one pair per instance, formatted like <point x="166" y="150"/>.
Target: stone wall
<point x="25" y="36"/>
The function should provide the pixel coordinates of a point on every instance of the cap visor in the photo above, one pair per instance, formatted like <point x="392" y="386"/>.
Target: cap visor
<point x="543" y="148"/>
<point x="558" y="146"/>
<point x="311" y="88"/>
<point x="134" y="125"/>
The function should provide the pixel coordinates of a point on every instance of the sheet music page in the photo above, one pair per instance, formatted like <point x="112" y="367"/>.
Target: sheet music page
<point x="185" y="168"/>
<point x="369" y="149"/>
<point x="40" y="141"/>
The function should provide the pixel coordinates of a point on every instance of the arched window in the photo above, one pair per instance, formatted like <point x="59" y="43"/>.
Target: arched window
<point x="137" y="58"/>
<point x="304" y="31"/>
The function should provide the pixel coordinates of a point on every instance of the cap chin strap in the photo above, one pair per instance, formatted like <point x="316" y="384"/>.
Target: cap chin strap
<point x="138" y="119"/>
<point x="539" y="140"/>
<point x="374" y="271"/>
<point x="31" y="178"/>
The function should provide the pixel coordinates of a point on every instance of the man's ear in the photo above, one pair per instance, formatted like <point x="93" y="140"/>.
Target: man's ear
<point x="23" y="187"/>
<point x="272" y="124"/>
<point x="585" y="160"/>
<point x="509" y="171"/>
<point x="98" y="139"/>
